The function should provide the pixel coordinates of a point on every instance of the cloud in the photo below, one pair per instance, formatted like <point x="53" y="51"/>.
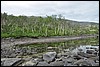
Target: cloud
<point x="77" y="10"/>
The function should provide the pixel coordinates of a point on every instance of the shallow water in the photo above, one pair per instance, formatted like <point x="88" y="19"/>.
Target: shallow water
<point x="72" y="45"/>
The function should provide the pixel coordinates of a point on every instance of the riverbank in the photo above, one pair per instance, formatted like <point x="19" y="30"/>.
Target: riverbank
<point x="26" y="41"/>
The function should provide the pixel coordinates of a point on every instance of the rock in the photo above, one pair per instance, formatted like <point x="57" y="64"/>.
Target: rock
<point x="80" y="49"/>
<point x="90" y="51"/>
<point x="29" y="63"/>
<point x="69" y="64"/>
<point x="58" y="55"/>
<point x="49" y="56"/>
<point x="94" y="58"/>
<point x="69" y="60"/>
<point x="11" y="61"/>
<point x="96" y="61"/>
<point x="81" y="53"/>
<point x="86" y="55"/>
<point x="96" y="64"/>
<point x="59" y="59"/>
<point x="66" y="50"/>
<point x="57" y="63"/>
<point x="90" y="61"/>
<point x="93" y="47"/>
<point x="77" y="57"/>
<point x="83" y="62"/>
<point x="87" y="47"/>
<point x="65" y="54"/>
<point x="44" y="63"/>
<point x="2" y="62"/>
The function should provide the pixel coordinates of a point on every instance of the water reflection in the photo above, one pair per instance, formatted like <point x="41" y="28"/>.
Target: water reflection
<point x="84" y="48"/>
<point x="58" y="47"/>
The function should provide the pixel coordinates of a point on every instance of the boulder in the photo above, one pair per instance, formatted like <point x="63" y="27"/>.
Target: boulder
<point x="11" y="61"/>
<point x="87" y="47"/>
<point x="57" y="63"/>
<point x="77" y="57"/>
<point x="49" y="56"/>
<point x="44" y="63"/>
<point x="69" y="60"/>
<point x="58" y="55"/>
<point x="90" y="51"/>
<point x="66" y="50"/>
<point x="29" y="63"/>
<point x="69" y="64"/>
<point x="65" y="54"/>
<point x="86" y="55"/>
<point x="86" y="62"/>
<point x="79" y="49"/>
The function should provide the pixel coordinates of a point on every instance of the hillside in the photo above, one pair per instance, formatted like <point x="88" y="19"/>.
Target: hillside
<point x="37" y="26"/>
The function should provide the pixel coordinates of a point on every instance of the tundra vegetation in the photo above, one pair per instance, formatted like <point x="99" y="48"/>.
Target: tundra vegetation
<point x="37" y="26"/>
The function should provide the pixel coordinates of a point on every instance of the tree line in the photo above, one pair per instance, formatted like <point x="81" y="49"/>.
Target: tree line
<point x="37" y="26"/>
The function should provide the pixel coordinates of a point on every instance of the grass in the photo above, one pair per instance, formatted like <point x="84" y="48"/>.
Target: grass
<point x="20" y="26"/>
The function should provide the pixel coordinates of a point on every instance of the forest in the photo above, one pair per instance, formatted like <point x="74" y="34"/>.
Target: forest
<point x="38" y="26"/>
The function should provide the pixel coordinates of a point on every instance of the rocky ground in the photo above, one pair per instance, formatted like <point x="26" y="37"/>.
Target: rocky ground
<point x="89" y="57"/>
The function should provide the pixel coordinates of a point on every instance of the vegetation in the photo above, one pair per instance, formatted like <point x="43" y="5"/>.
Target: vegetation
<point x="42" y="47"/>
<point x="37" y="26"/>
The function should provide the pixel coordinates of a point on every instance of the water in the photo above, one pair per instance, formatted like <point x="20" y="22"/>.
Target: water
<point x="84" y="48"/>
<point x="59" y="46"/>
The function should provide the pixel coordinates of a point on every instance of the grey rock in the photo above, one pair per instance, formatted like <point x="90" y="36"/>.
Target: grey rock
<point x="66" y="50"/>
<point x="69" y="64"/>
<point x="77" y="57"/>
<point x="57" y="63"/>
<point x="11" y="61"/>
<point x="83" y="62"/>
<point x="29" y="63"/>
<point x="86" y="55"/>
<point x="80" y="49"/>
<point x="87" y="47"/>
<point x="90" y="51"/>
<point x="69" y="60"/>
<point x="58" y="55"/>
<point x="65" y="54"/>
<point x="44" y="63"/>
<point x="49" y="56"/>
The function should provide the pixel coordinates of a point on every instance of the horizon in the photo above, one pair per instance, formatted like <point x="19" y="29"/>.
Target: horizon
<point x="51" y="15"/>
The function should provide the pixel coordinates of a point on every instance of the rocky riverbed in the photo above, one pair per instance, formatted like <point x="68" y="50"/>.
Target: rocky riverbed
<point x="81" y="56"/>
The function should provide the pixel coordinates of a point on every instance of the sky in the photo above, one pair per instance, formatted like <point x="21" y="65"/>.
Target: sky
<point x="73" y="10"/>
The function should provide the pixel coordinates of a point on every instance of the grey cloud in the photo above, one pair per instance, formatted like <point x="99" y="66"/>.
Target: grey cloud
<point x="78" y="10"/>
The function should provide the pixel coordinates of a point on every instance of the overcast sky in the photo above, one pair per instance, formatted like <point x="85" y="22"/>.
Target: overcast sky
<point x="74" y="10"/>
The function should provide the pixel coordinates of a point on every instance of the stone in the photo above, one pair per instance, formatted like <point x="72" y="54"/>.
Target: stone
<point x="69" y="60"/>
<point x="69" y="64"/>
<point x="80" y="49"/>
<point x="90" y="61"/>
<point x="87" y="47"/>
<point x="29" y="63"/>
<point x="86" y="62"/>
<point x="65" y="54"/>
<point x="11" y="61"/>
<point x="58" y="55"/>
<point x="90" y="51"/>
<point x="57" y="63"/>
<point x="49" y="56"/>
<point x="2" y="62"/>
<point x="77" y="57"/>
<point x="78" y="62"/>
<point x="66" y="50"/>
<point x="81" y="53"/>
<point x="44" y="63"/>
<point x="96" y="64"/>
<point x="86" y="55"/>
